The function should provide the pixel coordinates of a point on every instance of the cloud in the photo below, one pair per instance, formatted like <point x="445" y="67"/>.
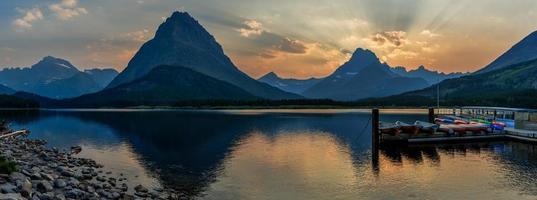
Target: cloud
<point x="28" y="18"/>
<point x="252" y="28"/>
<point x="391" y="38"/>
<point x="67" y="9"/>
<point x="138" y="36"/>
<point x="291" y="46"/>
<point x="430" y="34"/>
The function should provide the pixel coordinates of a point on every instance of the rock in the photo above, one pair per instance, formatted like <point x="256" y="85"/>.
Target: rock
<point x="101" y="179"/>
<point x="26" y="189"/>
<point x="11" y="196"/>
<point x="17" y="176"/>
<point x="47" y="177"/>
<point x="76" y="149"/>
<point x="73" y="194"/>
<point x="124" y="187"/>
<point x="7" y="188"/>
<point x="44" y="186"/>
<point x="140" y="189"/>
<point x="36" y="176"/>
<point x="59" y="183"/>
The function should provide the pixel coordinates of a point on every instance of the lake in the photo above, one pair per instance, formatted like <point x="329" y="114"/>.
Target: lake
<point x="283" y="154"/>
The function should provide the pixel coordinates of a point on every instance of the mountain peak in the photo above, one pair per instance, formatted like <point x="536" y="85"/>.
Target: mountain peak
<point x="50" y="61"/>
<point x="421" y="67"/>
<point x="363" y="55"/>
<point x="270" y="75"/>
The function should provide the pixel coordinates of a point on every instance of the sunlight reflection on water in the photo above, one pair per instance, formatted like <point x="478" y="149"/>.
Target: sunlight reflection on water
<point x="280" y="154"/>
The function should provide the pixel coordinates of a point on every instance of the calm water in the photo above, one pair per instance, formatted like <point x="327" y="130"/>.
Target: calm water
<point x="285" y="154"/>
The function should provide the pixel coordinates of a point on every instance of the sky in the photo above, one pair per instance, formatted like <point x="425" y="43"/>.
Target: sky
<point x="295" y="39"/>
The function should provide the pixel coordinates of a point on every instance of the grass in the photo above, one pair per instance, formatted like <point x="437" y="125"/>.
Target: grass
<point x="7" y="167"/>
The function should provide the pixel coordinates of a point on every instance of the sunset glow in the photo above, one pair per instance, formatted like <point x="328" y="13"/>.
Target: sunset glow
<point x="295" y="39"/>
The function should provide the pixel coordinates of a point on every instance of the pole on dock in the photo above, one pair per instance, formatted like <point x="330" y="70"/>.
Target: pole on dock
<point x="375" y="134"/>
<point x="375" y="120"/>
<point x="431" y="115"/>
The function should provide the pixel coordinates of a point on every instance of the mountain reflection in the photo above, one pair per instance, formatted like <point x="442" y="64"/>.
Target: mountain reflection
<point x="282" y="155"/>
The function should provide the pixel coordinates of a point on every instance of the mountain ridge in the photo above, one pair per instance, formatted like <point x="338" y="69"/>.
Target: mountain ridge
<point x="51" y="77"/>
<point x="524" y="50"/>
<point x="293" y="85"/>
<point x="182" y="41"/>
<point x="345" y="84"/>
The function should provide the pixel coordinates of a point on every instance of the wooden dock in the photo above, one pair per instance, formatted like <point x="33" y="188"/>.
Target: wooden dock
<point x="523" y="135"/>
<point x="507" y="134"/>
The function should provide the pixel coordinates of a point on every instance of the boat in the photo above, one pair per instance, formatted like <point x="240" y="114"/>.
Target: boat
<point x="478" y="128"/>
<point x="427" y="127"/>
<point x="408" y="128"/>
<point x="452" y="128"/>
<point x="389" y="128"/>
<point x="443" y="121"/>
<point x="481" y="121"/>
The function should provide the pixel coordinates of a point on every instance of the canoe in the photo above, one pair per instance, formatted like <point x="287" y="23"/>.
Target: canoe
<point x="477" y="128"/>
<point x="408" y="128"/>
<point x="499" y="123"/>
<point x="443" y="121"/>
<point x="452" y="128"/>
<point x="389" y="128"/>
<point x="480" y="121"/>
<point x="427" y="127"/>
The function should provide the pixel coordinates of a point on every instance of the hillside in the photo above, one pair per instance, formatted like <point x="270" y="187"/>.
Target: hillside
<point x="514" y="85"/>
<point x="525" y="50"/>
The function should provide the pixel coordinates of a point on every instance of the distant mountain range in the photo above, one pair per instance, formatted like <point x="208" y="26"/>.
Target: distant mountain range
<point x="55" y="78"/>
<point x="513" y="85"/>
<point x="432" y="77"/>
<point x="163" y="85"/>
<point x="297" y="86"/>
<point x="183" y="62"/>
<point x="6" y="90"/>
<point x="499" y="84"/>
<point x="525" y="50"/>
<point x="182" y="41"/>
<point x="363" y="76"/>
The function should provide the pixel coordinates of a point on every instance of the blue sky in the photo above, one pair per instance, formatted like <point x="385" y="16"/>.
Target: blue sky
<point x="300" y="38"/>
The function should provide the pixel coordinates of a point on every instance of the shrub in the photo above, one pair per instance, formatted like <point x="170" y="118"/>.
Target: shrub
<point x="6" y="166"/>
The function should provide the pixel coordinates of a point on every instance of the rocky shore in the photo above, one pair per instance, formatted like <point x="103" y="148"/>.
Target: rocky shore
<point x="56" y="174"/>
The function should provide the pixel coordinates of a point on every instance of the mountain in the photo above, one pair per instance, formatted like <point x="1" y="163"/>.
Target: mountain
<point x="524" y="50"/>
<point x="510" y="86"/>
<point x="6" y="90"/>
<point x="432" y="77"/>
<point x="163" y="85"/>
<point x="363" y="76"/>
<point x="54" y="78"/>
<point x="102" y="77"/>
<point x="182" y="41"/>
<point x="296" y="86"/>
<point x="76" y="85"/>
<point x="10" y="101"/>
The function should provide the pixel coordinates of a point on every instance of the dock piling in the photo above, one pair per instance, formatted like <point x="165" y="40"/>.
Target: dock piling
<point x="375" y="135"/>
<point x="431" y="115"/>
<point x="375" y="120"/>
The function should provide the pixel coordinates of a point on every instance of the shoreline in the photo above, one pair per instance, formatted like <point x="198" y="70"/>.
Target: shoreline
<point x="49" y="173"/>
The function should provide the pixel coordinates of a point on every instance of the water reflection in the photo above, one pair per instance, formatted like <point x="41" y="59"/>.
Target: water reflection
<point x="284" y="155"/>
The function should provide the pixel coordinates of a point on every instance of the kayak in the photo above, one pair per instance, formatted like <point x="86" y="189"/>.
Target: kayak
<point x="408" y="128"/>
<point x="481" y="121"/>
<point x="452" y="128"/>
<point x="426" y="126"/>
<point x="389" y="128"/>
<point x="443" y="121"/>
